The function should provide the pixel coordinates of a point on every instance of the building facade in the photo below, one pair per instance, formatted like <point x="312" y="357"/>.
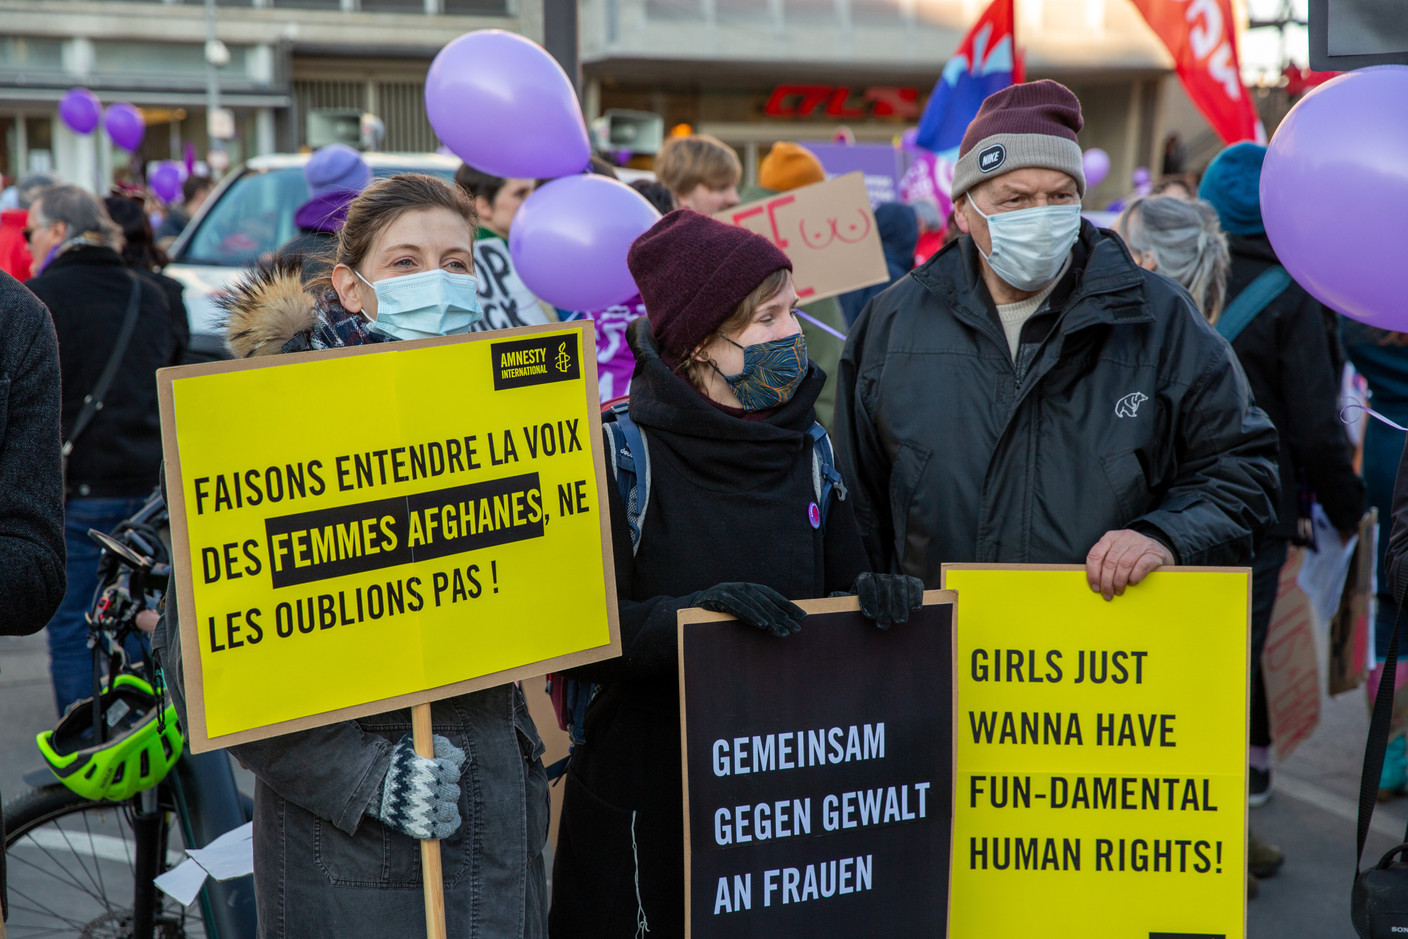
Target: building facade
<point x="755" y="71"/>
<point x="295" y="73"/>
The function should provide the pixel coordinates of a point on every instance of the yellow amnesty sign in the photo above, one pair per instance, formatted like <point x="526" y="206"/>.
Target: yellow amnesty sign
<point x="368" y="528"/>
<point x="1100" y="778"/>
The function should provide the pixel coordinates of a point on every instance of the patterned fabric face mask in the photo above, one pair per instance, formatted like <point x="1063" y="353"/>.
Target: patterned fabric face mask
<point x="771" y="372"/>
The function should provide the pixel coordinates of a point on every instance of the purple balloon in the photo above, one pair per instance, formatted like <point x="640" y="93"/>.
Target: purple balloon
<point x="1096" y="163"/>
<point x="1337" y="161"/>
<point x="80" y="109"/>
<point x="909" y="140"/>
<point x="505" y="107"/>
<point x="125" y="125"/>
<point x="1141" y="176"/>
<point x="165" y="180"/>
<point x="570" y="237"/>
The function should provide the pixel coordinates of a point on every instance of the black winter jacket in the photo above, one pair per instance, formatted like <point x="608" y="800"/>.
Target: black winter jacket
<point x="86" y="290"/>
<point x="728" y="502"/>
<point x="31" y="494"/>
<point x="1123" y="410"/>
<point x="1287" y="357"/>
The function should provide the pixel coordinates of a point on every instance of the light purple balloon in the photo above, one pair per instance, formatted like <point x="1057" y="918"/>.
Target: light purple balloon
<point x="1141" y="176"/>
<point x="505" y="107"/>
<point x="1096" y="163"/>
<point x="570" y="238"/>
<point x="80" y="109"/>
<point x="909" y="140"/>
<point x="165" y="180"/>
<point x="125" y="125"/>
<point x="1334" y="195"/>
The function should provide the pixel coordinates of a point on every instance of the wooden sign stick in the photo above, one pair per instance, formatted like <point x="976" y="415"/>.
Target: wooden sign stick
<point x="429" y="850"/>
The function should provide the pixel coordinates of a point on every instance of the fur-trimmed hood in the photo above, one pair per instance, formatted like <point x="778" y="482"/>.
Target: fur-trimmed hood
<point x="270" y="310"/>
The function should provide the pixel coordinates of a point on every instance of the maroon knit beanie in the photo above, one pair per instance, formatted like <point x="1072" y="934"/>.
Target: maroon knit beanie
<point x="693" y="272"/>
<point x="1032" y="124"/>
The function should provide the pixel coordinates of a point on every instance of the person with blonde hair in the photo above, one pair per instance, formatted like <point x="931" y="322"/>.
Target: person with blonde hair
<point x="702" y="172"/>
<point x="1182" y="240"/>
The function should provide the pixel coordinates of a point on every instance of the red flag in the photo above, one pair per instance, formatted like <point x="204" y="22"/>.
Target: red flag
<point x="1201" y="35"/>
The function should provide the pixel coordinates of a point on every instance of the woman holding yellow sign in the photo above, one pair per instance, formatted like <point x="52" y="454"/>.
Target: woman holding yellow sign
<point x="736" y="508"/>
<point x="340" y="810"/>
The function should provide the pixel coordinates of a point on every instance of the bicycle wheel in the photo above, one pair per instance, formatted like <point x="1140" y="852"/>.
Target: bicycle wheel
<point x="71" y="869"/>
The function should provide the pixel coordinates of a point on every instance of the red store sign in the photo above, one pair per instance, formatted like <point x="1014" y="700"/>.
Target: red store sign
<point x="843" y="102"/>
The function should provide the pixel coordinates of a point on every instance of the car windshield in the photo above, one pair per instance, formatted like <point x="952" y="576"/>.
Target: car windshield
<point x="254" y="216"/>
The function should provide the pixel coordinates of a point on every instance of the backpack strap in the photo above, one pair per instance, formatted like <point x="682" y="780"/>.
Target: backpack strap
<point x="1238" y="314"/>
<point x="826" y="479"/>
<point x="630" y="462"/>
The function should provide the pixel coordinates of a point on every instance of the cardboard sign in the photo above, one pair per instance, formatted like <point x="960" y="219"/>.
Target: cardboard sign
<point x="826" y="229"/>
<point x="369" y="528"/>
<point x="1290" y="663"/>
<point x="818" y="773"/>
<point x="506" y="299"/>
<point x="1101" y="754"/>
<point x="1350" y="626"/>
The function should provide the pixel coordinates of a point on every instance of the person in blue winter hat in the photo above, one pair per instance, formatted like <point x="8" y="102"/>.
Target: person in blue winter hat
<point x="336" y="174"/>
<point x="1232" y="184"/>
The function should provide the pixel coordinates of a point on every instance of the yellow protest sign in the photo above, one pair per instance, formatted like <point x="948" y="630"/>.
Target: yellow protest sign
<point x="387" y="525"/>
<point x="1101" y="754"/>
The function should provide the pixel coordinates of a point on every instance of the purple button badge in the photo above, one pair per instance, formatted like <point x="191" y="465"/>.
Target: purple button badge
<point x="814" y="515"/>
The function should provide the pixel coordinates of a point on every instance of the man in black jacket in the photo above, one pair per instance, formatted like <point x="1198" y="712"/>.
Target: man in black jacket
<point x="1031" y="395"/>
<point x="1287" y="356"/>
<point x="114" y="463"/>
<point x="31" y="497"/>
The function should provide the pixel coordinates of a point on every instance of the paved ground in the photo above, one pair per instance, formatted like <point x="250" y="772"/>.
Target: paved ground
<point x="1311" y="814"/>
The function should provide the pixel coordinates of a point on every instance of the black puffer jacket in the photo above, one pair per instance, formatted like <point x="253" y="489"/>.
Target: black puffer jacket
<point x="728" y="502"/>
<point x="1288" y="359"/>
<point x="1124" y="410"/>
<point x="86" y="289"/>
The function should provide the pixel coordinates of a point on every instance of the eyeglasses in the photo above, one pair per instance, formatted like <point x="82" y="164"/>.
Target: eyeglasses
<point x="28" y="232"/>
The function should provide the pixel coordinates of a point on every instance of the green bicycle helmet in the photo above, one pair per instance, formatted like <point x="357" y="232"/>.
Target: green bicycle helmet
<point x="137" y="754"/>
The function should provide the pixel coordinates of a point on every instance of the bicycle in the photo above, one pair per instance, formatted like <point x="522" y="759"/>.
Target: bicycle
<point x="84" y="866"/>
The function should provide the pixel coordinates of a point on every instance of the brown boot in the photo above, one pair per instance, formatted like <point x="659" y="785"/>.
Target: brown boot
<point x="1263" y="860"/>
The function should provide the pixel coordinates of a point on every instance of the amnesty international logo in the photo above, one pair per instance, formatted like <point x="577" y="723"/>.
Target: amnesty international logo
<point x="536" y="361"/>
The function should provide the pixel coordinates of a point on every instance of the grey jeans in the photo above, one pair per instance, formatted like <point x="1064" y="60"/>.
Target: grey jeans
<point x="323" y="867"/>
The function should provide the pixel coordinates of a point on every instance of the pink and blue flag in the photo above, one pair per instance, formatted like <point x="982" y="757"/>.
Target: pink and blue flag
<point x="986" y="61"/>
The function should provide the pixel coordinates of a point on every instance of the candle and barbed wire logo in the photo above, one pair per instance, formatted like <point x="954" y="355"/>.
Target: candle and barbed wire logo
<point x="536" y="361"/>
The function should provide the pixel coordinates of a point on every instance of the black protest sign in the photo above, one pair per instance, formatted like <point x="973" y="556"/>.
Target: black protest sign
<point x="818" y="773"/>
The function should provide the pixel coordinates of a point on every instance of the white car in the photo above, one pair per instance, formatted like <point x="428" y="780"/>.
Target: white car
<point x="248" y="217"/>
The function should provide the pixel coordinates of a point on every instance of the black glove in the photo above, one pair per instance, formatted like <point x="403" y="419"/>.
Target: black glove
<point x="888" y="598"/>
<point x="755" y="604"/>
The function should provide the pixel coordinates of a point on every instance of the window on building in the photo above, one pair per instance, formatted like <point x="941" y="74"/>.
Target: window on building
<point x="809" y="10"/>
<point x="308" y="4"/>
<point x="31" y="56"/>
<point x="112" y="57"/>
<point x="393" y="6"/>
<point x="743" y="11"/>
<point x="878" y="12"/>
<point x="674" y="9"/>
<point x="476" y="7"/>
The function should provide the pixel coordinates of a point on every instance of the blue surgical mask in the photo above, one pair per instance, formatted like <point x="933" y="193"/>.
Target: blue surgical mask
<point x="771" y="372"/>
<point x="425" y="305"/>
<point x="1030" y="246"/>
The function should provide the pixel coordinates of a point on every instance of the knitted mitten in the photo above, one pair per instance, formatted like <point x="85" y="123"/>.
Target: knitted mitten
<point x="419" y="796"/>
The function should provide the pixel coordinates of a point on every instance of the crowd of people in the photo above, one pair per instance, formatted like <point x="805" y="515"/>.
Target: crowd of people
<point x="1035" y="390"/>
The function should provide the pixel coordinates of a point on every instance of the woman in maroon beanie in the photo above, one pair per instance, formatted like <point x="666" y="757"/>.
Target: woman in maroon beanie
<point x="723" y="395"/>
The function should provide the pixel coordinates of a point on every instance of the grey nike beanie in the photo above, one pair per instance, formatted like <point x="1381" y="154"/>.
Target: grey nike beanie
<point x="1029" y="125"/>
